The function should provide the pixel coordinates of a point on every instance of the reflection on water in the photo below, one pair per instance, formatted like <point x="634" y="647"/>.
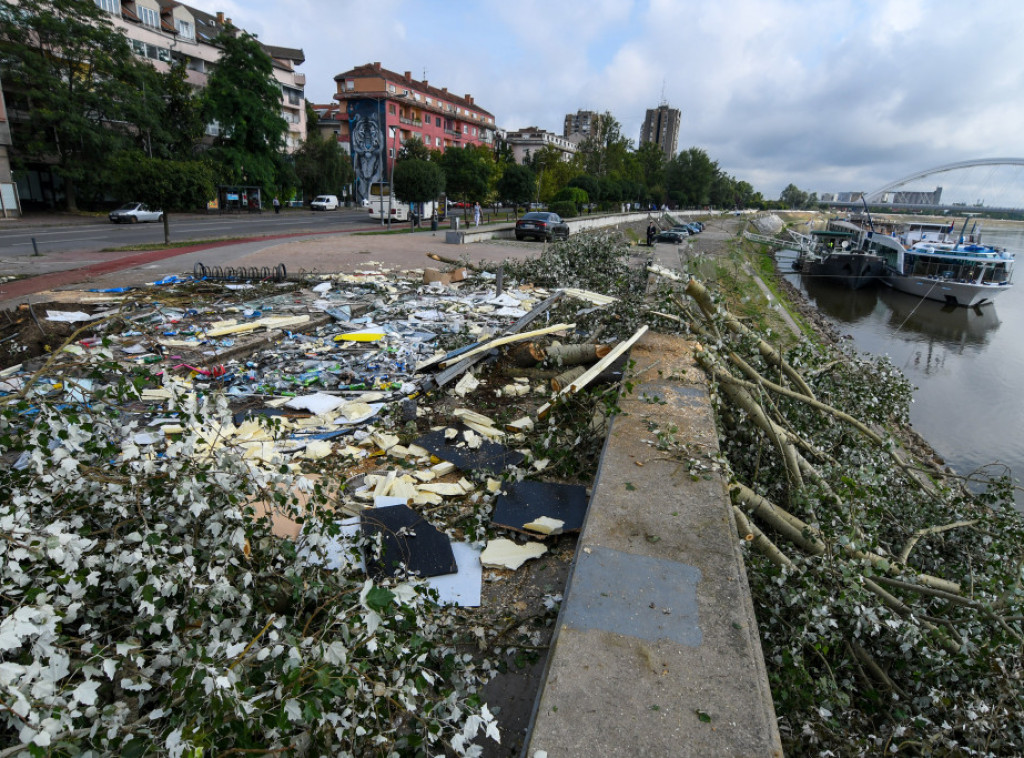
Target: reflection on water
<point x="967" y="364"/>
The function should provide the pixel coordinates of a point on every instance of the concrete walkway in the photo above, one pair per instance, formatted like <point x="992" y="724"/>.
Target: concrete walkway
<point x="657" y="650"/>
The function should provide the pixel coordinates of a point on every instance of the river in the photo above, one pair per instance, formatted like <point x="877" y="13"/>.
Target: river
<point x="966" y="364"/>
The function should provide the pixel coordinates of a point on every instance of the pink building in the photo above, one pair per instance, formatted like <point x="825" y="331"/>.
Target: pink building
<point x="380" y="109"/>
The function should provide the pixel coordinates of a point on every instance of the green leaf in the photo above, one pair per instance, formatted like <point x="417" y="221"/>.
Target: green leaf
<point x="379" y="598"/>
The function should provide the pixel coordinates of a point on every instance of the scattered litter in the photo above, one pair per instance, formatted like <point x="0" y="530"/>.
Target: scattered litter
<point x="407" y="543"/>
<point x="504" y="553"/>
<point x="488" y="456"/>
<point x="522" y="503"/>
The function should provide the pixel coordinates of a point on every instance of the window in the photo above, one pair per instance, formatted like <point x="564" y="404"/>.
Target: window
<point x="350" y="84"/>
<point x="437" y="141"/>
<point x="152" y="52"/>
<point x="291" y="95"/>
<point x="110" y="6"/>
<point x="391" y="109"/>
<point x="185" y="29"/>
<point x="149" y="16"/>
<point x="437" y="121"/>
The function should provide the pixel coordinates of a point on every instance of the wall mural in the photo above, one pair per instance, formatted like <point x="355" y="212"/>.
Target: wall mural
<point x="366" y="121"/>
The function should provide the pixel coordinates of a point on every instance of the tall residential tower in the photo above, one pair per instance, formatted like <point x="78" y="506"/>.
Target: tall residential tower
<point x="661" y="126"/>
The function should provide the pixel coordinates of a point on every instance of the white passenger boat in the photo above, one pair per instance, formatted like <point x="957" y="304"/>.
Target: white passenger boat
<point x="932" y="261"/>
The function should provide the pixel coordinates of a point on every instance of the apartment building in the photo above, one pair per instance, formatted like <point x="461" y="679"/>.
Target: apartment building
<point x="529" y="141"/>
<point x="164" y="31"/>
<point x="381" y="109"/>
<point x="581" y="124"/>
<point x="661" y="126"/>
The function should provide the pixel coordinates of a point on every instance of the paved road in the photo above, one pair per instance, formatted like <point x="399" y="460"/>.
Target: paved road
<point x="98" y="234"/>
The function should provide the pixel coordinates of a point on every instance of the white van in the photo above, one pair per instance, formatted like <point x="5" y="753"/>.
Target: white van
<point x="325" y="203"/>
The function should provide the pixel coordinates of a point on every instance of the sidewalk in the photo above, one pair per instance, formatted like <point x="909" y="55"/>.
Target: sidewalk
<point x="329" y="252"/>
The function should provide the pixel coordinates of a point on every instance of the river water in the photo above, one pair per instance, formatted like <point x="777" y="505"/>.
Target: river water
<point x="967" y="364"/>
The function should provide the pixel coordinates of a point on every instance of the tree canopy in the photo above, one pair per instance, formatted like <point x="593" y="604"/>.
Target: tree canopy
<point x="417" y="181"/>
<point x="162" y="184"/>
<point x="517" y="185"/>
<point x="322" y="167"/>
<point x="467" y="172"/>
<point x="244" y="99"/>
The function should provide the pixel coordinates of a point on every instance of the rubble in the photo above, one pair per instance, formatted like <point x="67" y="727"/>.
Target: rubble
<point x="345" y="373"/>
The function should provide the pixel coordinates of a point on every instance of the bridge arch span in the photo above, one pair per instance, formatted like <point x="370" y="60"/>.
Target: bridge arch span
<point x="875" y="196"/>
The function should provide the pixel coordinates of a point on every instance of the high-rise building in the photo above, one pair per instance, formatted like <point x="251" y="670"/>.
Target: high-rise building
<point x="581" y="124"/>
<point x="661" y="126"/>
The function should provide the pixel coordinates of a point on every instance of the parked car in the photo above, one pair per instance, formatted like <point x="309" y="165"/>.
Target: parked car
<point x="672" y="236"/>
<point x="133" y="213"/>
<point x="542" y="225"/>
<point x="324" y="203"/>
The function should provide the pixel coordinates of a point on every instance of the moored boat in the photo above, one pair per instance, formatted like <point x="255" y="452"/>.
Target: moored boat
<point x="835" y="255"/>
<point x="932" y="261"/>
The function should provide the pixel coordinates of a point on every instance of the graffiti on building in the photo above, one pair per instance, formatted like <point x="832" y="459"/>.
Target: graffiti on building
<point x="365" y="119"/>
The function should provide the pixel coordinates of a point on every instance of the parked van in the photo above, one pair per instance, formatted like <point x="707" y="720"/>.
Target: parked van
<point x="325" y="203"/>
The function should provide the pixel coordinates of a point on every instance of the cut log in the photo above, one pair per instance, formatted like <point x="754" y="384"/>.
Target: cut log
<point x="527" y="354"/>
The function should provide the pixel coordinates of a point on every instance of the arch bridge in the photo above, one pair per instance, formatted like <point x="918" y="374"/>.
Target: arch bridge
<point x="879" y="196"/>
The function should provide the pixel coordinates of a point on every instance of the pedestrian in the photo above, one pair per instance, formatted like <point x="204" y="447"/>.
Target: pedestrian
<point x="277" y="205"/>
<point x="652" y="230"/>
<point x="476" y="214"/>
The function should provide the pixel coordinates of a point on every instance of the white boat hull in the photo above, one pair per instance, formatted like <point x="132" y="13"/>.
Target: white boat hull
<point x="967" y="294"/>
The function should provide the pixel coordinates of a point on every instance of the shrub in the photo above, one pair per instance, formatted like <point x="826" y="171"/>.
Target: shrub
<point x="564" y="208"/>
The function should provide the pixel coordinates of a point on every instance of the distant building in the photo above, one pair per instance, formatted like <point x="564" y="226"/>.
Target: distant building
<point x="530" y="140"/>
<point x="582" y="124"/>
<point x="661" y="126"/>
<point x="382" y="109"/>
<point x="903" y="197"/>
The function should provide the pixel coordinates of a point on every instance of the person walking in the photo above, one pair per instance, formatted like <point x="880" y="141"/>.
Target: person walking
<point x="476" y="214"/>
<point x="277" y="205"/>
<point x="651" y="232"/>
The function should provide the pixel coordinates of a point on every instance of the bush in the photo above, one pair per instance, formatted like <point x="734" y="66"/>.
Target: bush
<point x="564" y="208"/>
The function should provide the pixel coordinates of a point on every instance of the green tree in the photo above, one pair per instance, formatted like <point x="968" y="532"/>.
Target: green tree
<point x="414" y="148"/>
<point x="794" y="197"/>
<point x="689" y="178"/>
<point x="166" y="185"/>
<point x="76" y="80"/>
<point x="606" y="149"/>
<point x="244" y="99"/>
<point x="322" y="167"/>
<point x="588" y="184"/>
<point x="467" y="172"/>
<point x="417" y="181"/>
<point x="517" y="185"/>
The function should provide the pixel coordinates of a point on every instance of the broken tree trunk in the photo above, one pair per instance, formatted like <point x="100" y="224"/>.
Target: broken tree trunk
<point x="567" y="377"/>
<point x="573" y="355"/>
<point x="527" y="354"/>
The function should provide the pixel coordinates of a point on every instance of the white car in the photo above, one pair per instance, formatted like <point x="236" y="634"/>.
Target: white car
<point x="133" y="213"/>
<point x="324" y="203"/>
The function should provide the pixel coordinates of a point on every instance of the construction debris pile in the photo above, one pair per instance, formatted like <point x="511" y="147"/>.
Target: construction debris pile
<point x="366" y="380"/>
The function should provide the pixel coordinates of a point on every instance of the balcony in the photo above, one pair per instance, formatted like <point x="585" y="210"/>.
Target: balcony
<point x="410" y="121"/>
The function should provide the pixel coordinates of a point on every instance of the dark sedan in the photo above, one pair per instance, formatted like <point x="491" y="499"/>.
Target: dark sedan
<point x="542" y="225"/>
<point x="676" y="238"/>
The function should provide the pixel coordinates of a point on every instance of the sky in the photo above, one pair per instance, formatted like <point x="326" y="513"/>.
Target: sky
<point x="829" y="95"/>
